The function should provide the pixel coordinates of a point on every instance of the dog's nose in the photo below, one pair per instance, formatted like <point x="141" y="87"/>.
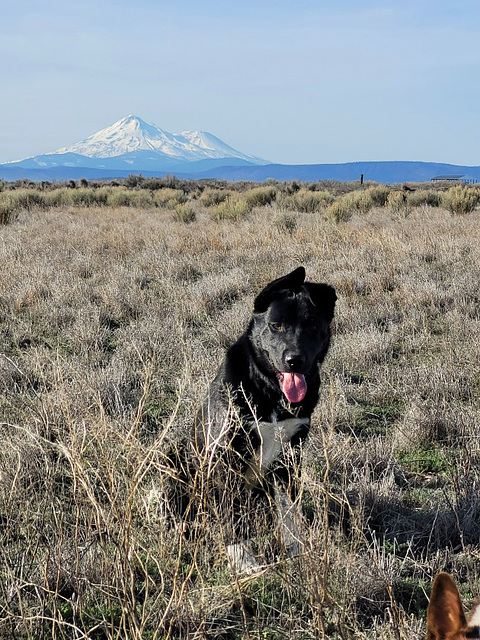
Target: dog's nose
<point x="294" y="361"/>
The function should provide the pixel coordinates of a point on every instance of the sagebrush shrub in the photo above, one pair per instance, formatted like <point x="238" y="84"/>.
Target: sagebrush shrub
<point x="134" y="180"/>
<point x="119" y="198"/>
<point x="307" y="201"/>
<point x="86" y="197"/>
<point x="460" y="200"/>
<point x="8" y="211"/>
<point x="353" y="202"/>
<point x="425" y="197"/>
<point x="26" y="199"/>
<point x="378" y="195"/>
<point x="57" y="197"/>
<point x="261" y="196"/>
<point x="212" y="197"/>
<point x="234" y="207"/>
<point x="184" y="213"/>
<point x="339" y="211"/>
<point x="398" y="202"/>
<point x="126" y="198"/>
<point x="168" y="198"/>
<point x="360" y="201"/>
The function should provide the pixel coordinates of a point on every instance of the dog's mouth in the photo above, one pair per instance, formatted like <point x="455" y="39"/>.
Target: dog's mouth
<point x="293" y="386"/>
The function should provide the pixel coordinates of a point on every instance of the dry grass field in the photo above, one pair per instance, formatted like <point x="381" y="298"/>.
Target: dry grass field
<point x="115" y="310"/>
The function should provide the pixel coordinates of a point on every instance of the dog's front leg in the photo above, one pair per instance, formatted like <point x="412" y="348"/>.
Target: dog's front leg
<point x="289" y="520"/>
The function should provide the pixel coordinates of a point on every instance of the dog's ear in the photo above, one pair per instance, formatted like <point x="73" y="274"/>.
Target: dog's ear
<point x="291" y="282"/>
<point x="445" y="617"/>
<point x="323" y="297"/>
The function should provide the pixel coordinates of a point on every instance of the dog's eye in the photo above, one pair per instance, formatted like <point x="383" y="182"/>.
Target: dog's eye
<point x="276" y="326"/>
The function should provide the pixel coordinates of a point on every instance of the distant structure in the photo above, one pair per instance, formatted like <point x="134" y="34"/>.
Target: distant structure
<point x="454" y="178"/>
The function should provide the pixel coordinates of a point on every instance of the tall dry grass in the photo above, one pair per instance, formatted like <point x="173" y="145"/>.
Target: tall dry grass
<point x="113" y="321"/>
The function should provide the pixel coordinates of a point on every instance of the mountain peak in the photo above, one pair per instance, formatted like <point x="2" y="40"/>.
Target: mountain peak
<point x="131" y="116"/>
<point x="131" y="119"/>
<point x="131" y="133"/>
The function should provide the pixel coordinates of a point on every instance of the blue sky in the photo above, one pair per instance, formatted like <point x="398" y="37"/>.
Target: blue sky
<point x="303" y="81"/>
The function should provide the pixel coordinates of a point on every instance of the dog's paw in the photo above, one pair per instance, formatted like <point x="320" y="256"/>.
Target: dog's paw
<point x="242" y="560"/>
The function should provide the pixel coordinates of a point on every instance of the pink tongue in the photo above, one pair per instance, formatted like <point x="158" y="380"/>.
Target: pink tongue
<point x="293" y="386"/>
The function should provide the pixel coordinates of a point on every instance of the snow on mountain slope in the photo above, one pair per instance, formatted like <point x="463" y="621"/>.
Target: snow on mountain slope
<point x="134" y="134"/>
<point x="210" y="143"/>
<point x="126" y="135"/>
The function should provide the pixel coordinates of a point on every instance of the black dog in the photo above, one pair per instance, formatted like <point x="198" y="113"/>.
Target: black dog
<point x="259" y="405"/>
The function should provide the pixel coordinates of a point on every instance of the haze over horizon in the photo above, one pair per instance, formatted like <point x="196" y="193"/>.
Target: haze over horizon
<point x="302" y="83"/>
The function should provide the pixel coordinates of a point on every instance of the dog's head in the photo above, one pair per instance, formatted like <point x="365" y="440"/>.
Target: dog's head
<point x="291" y="328"/>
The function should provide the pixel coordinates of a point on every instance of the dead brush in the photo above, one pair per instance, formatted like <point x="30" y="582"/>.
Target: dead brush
<point x="112" y="324"/>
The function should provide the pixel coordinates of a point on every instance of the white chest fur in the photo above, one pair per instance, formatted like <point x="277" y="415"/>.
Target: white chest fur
<point x="474" y="622"/>
<point x="275" y="434"/>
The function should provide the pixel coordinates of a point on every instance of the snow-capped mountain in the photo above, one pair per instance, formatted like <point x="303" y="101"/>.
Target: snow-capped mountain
<point x="134" y="134"/>
<point x="132" y="145"/>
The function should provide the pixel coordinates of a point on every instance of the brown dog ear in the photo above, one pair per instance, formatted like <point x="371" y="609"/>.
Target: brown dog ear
<point x="445" y="617"/>
<point x="323" y="297"/>
<point x="291" y="282"/>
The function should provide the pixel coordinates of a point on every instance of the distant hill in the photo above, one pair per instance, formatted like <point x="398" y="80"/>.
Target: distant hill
<point x="388" y="172"/>
<point x="383" y="172"/>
